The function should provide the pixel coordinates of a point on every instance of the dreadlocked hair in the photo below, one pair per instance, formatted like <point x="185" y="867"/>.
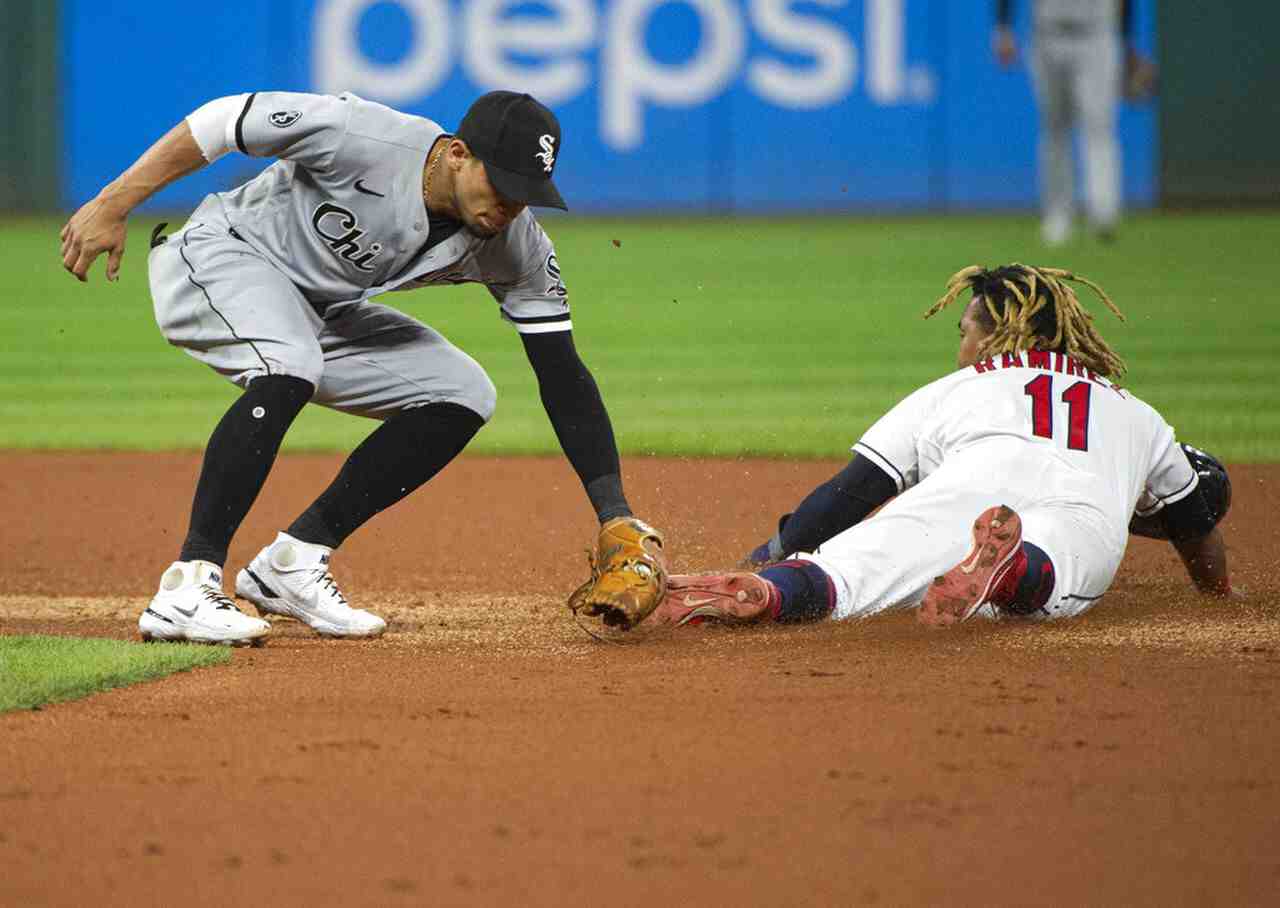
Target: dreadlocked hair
<point x="1036" y="308"/>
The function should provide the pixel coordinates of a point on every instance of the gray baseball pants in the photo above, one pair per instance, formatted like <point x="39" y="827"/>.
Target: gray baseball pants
<point x="1077" y="74"/>
<point x="229" y="308"/>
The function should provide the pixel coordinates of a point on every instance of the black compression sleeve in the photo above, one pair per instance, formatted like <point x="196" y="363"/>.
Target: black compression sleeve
<point x="1188" y="518"/>
<point x="1004" y="12"/>
<point x="399" y="456"/>
<point x="237" y="460"/>
<point x="836" y="505"/>
<point x="578" y="415"/>
<point x="1126" y="20"/>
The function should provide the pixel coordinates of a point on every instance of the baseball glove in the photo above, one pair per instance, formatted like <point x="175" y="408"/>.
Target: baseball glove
<point x="1215" y="486"/>
<point x="628" y="575"/>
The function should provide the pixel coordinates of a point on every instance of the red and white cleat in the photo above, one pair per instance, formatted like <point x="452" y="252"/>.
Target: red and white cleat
<point x="737" y="598"/>
<point x="957" y="594"/>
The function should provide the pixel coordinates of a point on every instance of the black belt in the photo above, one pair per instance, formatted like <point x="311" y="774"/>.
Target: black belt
<point x="1068" y="29"/>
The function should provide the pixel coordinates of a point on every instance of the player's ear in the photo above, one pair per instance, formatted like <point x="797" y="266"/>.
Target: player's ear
<point x="457" y="154"/>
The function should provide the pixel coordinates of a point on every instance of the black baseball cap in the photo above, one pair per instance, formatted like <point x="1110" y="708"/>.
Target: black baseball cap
<point x="518" y="140"/>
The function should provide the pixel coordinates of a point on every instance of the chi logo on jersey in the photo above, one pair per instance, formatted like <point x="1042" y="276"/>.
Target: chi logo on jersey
<point x="555" y="287"/>
<point x="283" y="118"/>
<point x="548" y="153"/>
<point x="330" y="221"/>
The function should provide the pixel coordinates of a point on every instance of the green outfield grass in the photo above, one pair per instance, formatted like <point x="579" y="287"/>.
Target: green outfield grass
<point x="37" y="670"/>
<point x="725" y="336"/>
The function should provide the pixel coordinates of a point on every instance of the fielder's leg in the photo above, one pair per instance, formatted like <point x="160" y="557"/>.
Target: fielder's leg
<point x="237" y="459"/>
<point x="190" y="604"/>
<point x="1051" y="80"/>
<point x="400" y="455"/>
<point x="1097" y="89"/>
<point x="432" y="398"/>
<point x="225" y="306"/>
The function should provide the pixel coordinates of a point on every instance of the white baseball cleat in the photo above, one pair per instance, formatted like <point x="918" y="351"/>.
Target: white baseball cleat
<point x="1056" y="230"/>
<point x="291" y="578"/>
<point x="191" y="605"/>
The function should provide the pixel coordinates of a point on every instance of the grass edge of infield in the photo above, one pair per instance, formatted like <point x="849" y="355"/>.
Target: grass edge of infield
<point x="37" y="670"/>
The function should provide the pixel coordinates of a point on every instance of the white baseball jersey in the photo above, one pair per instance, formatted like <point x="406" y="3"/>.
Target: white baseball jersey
<point x="1069" y="451"/>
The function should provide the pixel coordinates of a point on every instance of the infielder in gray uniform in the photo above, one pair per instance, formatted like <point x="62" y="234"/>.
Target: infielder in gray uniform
<point x="271" y="285"/>
<point x="1076" y="71"/>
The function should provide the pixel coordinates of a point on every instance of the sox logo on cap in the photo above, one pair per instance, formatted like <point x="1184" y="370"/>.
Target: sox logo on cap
<point x="548" y="153"/>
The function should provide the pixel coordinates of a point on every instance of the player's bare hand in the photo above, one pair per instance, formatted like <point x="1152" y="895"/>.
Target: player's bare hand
<point x="96" y="228"/>
<point x="759" y="558"/>
<point x="1004" y="47"/>
<point x="1141" y="77"/>
<point x="1224" y="590"/>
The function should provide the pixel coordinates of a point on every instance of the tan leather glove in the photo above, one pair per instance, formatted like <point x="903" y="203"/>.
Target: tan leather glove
<point x="628" y="575"/>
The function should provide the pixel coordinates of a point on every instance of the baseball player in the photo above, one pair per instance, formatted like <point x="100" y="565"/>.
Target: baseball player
<point x="272" y="286"/>
<point x="1076" y="72"/>
<point x="1030" y="451"/>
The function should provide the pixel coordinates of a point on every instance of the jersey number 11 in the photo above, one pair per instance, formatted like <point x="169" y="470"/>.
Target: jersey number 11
<point x="1076" y="397"/>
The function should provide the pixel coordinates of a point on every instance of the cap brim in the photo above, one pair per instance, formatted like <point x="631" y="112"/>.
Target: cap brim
<point x="526" y="190"/>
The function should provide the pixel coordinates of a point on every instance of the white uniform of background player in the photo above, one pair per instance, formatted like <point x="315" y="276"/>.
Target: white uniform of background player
<point x="1066" y="449"/>
<point x="1076" y="70"/>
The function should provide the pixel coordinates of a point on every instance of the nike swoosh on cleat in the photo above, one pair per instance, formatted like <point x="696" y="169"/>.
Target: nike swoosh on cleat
<point x="690" y="602"/>
<point x="971" y="564"/>
<point x="360" y="187"/>
<point x="190" y="613"/>
<point x="266" y="590"/>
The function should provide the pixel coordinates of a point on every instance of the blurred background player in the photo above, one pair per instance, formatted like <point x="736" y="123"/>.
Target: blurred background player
<point x="1076" y="70"/>
<point x="1029" y="451"/>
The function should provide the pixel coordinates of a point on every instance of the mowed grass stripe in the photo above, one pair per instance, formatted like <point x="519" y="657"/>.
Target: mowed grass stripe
<point x="784" y="336"/>
<point x="37" y="670"/>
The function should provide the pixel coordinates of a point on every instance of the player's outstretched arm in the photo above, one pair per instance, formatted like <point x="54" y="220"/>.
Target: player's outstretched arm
<point x="1206" y="561"/>
<point x="99" y="225"/>
<point x="628" y="565"/>
<point x="578" y="416"/>
<point x="830" y="509"/>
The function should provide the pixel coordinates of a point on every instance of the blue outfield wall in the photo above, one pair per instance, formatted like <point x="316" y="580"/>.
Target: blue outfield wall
<point x="696" y="105"/>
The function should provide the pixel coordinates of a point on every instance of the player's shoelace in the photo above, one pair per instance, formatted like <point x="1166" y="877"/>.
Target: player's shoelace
<point x="327" y="582"/>
<point x="217" y="598"/>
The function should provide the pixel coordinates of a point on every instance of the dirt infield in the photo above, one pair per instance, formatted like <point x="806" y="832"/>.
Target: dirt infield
<point x="485" y="752"/>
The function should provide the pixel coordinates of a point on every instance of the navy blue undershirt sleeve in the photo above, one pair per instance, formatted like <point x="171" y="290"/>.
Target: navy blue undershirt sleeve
<point x="1004" y="12"/>
<point x="1188" y="517"/>
<point x="834" y="506"/>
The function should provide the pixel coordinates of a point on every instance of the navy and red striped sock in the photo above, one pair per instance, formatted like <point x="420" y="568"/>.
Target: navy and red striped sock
<point x="1027" y="587"/>
<point x="805" y="592"/>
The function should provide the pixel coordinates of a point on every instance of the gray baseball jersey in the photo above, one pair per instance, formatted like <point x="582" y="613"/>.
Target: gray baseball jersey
<point x="1077" y="14"/>
<point x="341" y="214"/>
<point x="1076" y="71"/>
